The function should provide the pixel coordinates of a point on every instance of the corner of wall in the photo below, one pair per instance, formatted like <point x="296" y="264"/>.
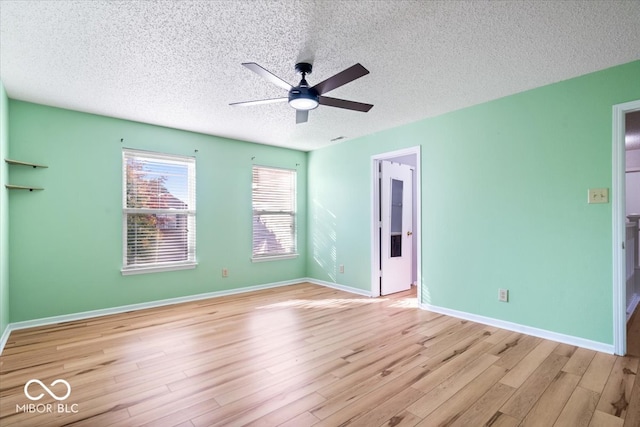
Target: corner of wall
<point x="4" y="212"/>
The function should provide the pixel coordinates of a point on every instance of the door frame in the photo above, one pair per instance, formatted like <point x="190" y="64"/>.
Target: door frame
<point x="618" y="196"/>
<point x="375" y="201"/>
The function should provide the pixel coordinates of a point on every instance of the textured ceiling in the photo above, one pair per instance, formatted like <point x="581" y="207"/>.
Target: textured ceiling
<point x="177" y="63"/>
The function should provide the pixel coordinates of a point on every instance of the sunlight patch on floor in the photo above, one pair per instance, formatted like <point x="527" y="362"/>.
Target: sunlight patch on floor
<point x="405" y="303"/>
<point x="324" y="303"/>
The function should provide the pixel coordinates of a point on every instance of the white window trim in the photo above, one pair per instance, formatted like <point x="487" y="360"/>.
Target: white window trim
<point x="274" y="257"/>
<point x="160" y="267"/>
<point x="129" y="271"/>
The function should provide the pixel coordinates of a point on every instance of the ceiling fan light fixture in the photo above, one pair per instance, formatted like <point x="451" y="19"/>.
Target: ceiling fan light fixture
<point x="303" y="99"/>
<point x="303" y="103"/>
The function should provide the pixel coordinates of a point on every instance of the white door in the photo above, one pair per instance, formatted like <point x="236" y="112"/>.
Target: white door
<point x="396" y="233"/>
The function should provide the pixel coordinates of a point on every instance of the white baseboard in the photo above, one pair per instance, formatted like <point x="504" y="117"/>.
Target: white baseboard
<point x="515" y="327"/>
<point x="152" y="304"/>
<point x="339" y="287"/>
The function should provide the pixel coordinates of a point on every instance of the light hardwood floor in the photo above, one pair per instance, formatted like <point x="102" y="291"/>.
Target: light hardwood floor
<point x="633" y="334"/>
<point x="307" y="355"/>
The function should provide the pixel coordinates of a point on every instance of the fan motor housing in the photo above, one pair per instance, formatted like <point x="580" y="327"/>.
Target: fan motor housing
<point x="303" y="97"/>
<point x="304" y="68"/>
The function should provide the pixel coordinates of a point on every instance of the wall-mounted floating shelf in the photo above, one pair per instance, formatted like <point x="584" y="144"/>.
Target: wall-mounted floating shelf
<point x="21" y="163"/>
<point x="22" y="187"/>
<point x="18" y="162"/>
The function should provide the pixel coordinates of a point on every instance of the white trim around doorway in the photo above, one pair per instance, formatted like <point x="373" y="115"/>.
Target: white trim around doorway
<point x="375" y="245"/>
<point x="618" y="220"/>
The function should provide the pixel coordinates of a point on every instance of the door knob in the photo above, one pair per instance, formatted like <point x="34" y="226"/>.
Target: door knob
<point x="409" y="233"/>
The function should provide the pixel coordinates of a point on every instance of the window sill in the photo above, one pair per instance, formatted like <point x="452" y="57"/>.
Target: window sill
<point x="274" y="258"/>
<point x="157" y="268"/>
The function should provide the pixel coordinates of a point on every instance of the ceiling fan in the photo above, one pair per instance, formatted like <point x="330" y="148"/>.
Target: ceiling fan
<point x="304" y="98"/>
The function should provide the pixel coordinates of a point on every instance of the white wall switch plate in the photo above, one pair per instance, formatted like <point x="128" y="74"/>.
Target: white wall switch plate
<point x="598" y="195"/>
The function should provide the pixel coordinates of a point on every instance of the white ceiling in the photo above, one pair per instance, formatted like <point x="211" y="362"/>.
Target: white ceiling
<point x="177" y="63"/>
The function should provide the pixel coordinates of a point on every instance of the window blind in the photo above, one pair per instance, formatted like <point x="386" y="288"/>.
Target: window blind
<point x="274" y="212"/>
<point x="159" y="207"/>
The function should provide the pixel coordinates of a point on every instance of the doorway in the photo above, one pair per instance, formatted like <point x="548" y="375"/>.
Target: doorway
<point x="632" y="246"/>
<point x="395" y="222"/>
<point x="619" y="220"/>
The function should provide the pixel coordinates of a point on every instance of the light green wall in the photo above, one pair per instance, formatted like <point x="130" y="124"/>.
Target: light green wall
<point x="504" y="191"/>
<point x="504" y="206"/>
<point x="4" y="211"/>
<point x="66" y="241"/>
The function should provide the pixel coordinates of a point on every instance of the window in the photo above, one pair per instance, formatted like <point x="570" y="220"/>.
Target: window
<point x="159" y="212"/>
<point x="274" y="213"/>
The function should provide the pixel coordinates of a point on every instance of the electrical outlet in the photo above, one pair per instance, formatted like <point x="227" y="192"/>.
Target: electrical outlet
<point x="341" y="268"/>
<point x="503" y="295"/>
<point x="598" y="195"/>
<point x="225" y="272"/>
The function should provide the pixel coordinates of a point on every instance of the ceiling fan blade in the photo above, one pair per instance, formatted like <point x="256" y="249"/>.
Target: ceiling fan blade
<point x="343" y="103"/>
<point x="302" y="116"/>
<point x="268" y="75"/>
<point x="259" y="102"/>
<point x="342" y="78"/>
